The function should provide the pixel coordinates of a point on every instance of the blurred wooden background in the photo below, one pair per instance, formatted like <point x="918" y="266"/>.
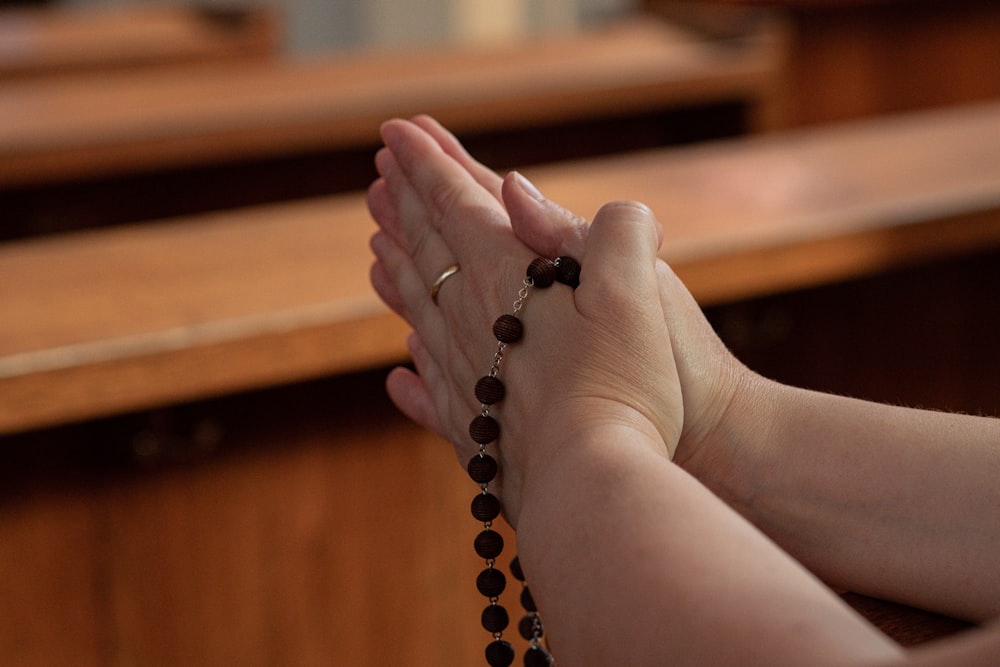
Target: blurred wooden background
<point x="199" y="463"/>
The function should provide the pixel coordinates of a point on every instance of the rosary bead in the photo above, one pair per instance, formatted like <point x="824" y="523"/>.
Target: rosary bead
<point x="491" y="582"/>
<point x="515" y="568"/>
<point x="488" y="544"/>
<point x="542" y="272"/>
<point x="484" y="430"/>
<point x="530" y="626"/>
<point x="495" y="618"/>
<point x="508" y="329"/>
<point x="482" y="468"/>
<point x="499" y="654"/>
<point x="536" y="656"/>
<point x="568" y="271"/>
<point x="489" y="390"/>
<point x="527" y="601"/>
<point x="485" y="507"/>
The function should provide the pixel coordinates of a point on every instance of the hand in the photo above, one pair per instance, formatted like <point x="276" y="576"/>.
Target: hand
<point x="715" y="386"/>
<point x="593" y="357"/>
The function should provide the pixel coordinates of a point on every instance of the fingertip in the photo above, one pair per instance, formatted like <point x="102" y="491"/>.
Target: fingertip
<point x="540" y="223"/>
<point x="410" y="395"/>
<point x="386" y="290"/>
<point x="429" y="124"/>
<point x="390" y="131"/>
<point x="526" y="187"/>
<point x="385" y="163"/>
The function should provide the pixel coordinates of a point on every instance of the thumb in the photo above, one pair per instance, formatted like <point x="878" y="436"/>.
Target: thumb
<point x="539" y="223"/>
<point x="619" y="262"/>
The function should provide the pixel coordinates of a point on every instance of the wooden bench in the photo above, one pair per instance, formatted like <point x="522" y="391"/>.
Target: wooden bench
<point x="41" y="42"/>
<point x="108" y="321"/>
<point x="81" y="128"/>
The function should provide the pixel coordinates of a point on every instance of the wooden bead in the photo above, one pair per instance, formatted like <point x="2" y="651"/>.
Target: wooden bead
<point x="527" y="601"/>
<point x="495" y="618"/>
<point x="490" y="390"/>
<point x="488" y="544"/>
<point x="536" y="656"/>
<point x="499" y="653"/>
<point x="568" y="271"/>
<point x="515" y="568"/>
<point x="508" y="329"/>
<point x="482" y="468"/>
<point x="485" y="507"/>
<point x="542" y="272"/>
<point x="491" y="582"/>
<point x="484" y="429"/>
<point x="530" y="626"/>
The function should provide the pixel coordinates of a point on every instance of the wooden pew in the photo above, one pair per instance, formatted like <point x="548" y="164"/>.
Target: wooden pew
<point x="57" y="131"/>
<point x="112" y="321"/>
<point x="305" y="127"/>
<point x="41" y="42"/>
<point x="277" y="294"/>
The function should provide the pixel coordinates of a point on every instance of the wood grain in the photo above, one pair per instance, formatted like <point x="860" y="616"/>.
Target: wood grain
<point x="113" y="320"/>
<point x="89" y="126"/>
<point x="47" y="41"/>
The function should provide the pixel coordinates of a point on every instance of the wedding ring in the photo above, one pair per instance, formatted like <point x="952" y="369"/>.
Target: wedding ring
<point x="436" y="286"/>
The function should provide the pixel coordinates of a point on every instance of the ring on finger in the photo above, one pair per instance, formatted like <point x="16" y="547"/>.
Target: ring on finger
<point x="436" y="285"/>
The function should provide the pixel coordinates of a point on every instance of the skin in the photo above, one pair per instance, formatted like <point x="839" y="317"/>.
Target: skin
<point x="625" y="412"/>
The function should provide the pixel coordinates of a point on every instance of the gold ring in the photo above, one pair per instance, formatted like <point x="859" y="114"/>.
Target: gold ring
<point x="447" y="273"/>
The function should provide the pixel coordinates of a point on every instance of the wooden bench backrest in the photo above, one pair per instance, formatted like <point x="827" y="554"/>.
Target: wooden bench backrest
<point x="91" y="126"/>
<point x="42" y="42"/>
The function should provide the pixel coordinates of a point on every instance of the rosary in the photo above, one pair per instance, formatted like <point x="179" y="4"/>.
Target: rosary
<point x="483" y="469"/>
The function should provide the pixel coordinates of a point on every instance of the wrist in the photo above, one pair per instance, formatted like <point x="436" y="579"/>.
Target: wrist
<point x="592" y="450"/>
<point x="730" y="457"/>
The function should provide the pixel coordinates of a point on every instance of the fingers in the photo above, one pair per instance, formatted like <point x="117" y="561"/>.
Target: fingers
<point x="483" y="175"/>
<point x="399" y="210"/>
<point x="443" y="184"/>
<point x="398" y="283"/>
<point x="619" y="263"/>
<point x="411" y="392"/>
<point x="541" y="224"/>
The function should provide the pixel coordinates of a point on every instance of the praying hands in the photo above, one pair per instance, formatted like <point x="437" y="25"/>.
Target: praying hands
<point x="671" y="505"/>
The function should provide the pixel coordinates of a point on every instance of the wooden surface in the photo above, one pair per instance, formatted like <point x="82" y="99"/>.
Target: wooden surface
<point x="325" y="530"/>
<point x="771" y="213"/>
<point x="851" y="59"/>
<point x="87" y="127"/>
<point x="47" y="41"/>
<point x="107" y="321"/>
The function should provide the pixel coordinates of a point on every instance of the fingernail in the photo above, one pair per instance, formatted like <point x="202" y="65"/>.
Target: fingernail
<point x="528" y="186"/>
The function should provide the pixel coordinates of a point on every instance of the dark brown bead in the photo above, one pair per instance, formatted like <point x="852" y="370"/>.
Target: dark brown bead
<point x="488" y="544"/>
<point x="542" y="272"/>
<point x="482" y="468"/>
<point x="568" y="271"/>
<point x="499" y="654"/>
<point x="491" y="582"/>
<point x="484" y="429"/>
<point x="495" y="618"/>
<point x="530" y="626"/>
<point x="515" y="569"/>
<point x="490" y="390"/>
<point x="508" y="329"/>
<point x="485" y="507"/>
<point x="536" y="656"/>
<point x="527" y="601"/>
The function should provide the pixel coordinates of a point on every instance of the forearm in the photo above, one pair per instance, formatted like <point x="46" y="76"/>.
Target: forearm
<point x="887" y="501"/>
<point x="632" y="561"/>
